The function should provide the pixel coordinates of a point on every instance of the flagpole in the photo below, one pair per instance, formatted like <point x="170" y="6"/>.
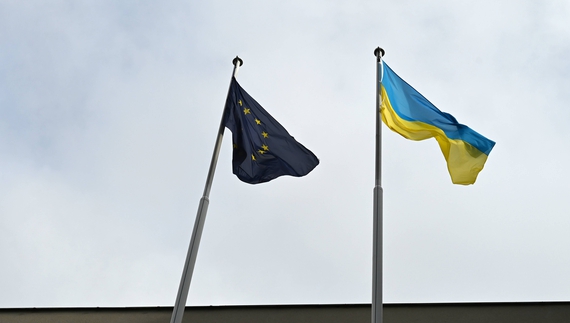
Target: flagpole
<point x="180" y="304"/>
<point x="377" y="310"/>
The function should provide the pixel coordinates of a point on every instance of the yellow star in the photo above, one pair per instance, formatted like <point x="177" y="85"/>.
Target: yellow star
<point x="265" y="134"/>
<point x="239" y="102"/>
<point x="235" y="146"/>
<point x="261" y="151"/>
<point x="252" y="157"/>
<point x="246" y="111"/>
<point x="257" y="121"/>
<point x="265" y="147"/>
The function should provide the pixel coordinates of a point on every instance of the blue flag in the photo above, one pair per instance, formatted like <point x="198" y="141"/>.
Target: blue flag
<point x="262" y="148"/>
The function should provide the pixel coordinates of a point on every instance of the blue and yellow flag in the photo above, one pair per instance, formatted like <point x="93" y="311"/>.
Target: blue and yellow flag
<point x="262" y="148"/>
<point x="407" y="112"/>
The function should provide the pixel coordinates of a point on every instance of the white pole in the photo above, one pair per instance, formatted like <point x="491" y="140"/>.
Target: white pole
<point x="180" y="304"/>
<point x="377" y="310"/>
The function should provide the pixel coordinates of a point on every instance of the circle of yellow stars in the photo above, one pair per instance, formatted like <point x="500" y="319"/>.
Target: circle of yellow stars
<point x="264" y="148"/>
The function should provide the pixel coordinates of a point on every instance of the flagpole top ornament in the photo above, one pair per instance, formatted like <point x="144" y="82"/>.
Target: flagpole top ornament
<point x="379" y="52"/>
<point x="236" y="61"/>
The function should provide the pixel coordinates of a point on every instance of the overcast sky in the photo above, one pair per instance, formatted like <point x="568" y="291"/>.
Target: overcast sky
<point x="109" y="112"/>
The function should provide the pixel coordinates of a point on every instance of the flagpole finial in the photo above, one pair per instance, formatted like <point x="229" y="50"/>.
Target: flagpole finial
<point x="236" y="61"/>
<point x="379" y="52"/>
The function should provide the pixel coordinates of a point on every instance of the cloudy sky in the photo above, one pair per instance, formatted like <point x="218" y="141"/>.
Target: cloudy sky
<point x="108" y="117"/>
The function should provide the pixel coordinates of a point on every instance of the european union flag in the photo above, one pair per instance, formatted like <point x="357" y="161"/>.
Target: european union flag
<point x="262" y="148"/>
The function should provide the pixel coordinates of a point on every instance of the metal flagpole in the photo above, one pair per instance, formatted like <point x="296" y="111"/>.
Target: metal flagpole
<point x="377" y="223"/>
<point x="180" y="304"/>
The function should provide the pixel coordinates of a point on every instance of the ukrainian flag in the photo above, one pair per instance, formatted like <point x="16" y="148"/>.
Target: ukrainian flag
<point x="407" y="112"/>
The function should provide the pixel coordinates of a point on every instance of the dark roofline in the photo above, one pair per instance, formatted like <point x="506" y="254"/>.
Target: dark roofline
<point x="292" y="305"/>
<point x="465" y="312"/>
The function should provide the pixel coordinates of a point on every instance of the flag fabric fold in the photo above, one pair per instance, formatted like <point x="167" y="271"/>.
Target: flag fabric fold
<point x="262" y="148"/>
<point x="407" y="112"/>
